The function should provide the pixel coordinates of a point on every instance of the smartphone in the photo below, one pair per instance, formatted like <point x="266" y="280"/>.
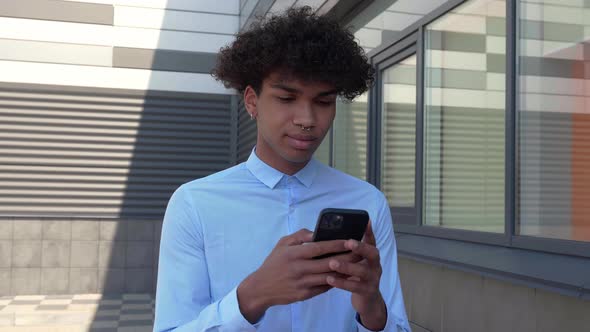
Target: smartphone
<point x="340" y="224"/>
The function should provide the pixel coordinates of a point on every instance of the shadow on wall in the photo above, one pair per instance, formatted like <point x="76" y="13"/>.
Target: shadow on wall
<point x="183" y="129"/>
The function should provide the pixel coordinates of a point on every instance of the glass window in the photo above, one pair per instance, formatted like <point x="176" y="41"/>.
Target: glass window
<point x="322" y="154"/>
<point x="380" y="21"/>
<point x="398" y="150"/>
<point x="350" y="137"/>
<point x="554" y="120"/>
<point x="464" y="111"/>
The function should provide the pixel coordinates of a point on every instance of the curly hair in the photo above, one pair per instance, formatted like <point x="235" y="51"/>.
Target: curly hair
<point x="301" y="43"/>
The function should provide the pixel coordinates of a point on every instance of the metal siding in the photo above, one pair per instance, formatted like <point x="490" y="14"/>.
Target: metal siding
<point x="105" y="152"/>
<point x="246" y="133"/>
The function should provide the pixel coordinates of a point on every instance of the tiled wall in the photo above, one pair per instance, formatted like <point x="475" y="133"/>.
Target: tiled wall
<point x="61" y="256"/>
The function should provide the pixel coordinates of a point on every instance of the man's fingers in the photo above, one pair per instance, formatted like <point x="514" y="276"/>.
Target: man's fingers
<point x="358" y="270"/>
<point x="301" y="236"/>
<point x="314" y="291"/>
<point x="314" y="249"/>
<point x="319" y="279"/>
<point x="350" y="285"/>
<point x="366" y="250"/>
<point x="369" y="236"/>
<point x="349" y="257"/>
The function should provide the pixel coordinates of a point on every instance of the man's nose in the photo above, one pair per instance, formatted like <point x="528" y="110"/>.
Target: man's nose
<point x="305" y="115"/>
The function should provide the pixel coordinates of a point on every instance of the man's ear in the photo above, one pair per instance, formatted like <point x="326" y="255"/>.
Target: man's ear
<point x="250" y="101"/>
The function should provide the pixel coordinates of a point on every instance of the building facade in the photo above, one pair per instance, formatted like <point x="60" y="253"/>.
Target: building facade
<point x="106" y="107"/>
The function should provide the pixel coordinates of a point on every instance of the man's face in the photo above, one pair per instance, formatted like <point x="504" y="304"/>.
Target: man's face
<point x="293" y="117"/>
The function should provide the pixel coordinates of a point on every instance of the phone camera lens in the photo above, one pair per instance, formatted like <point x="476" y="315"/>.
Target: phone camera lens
<point x="337" y="221"/>
<point x="333" y="221"/>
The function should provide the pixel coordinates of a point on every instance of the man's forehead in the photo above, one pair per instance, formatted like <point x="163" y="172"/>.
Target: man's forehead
<point x="289" y="79"/>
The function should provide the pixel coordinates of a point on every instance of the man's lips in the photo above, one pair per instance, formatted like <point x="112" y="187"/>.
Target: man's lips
<point x="301" y="142"/>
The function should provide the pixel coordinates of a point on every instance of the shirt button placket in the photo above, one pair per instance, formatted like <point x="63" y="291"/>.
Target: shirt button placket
<point x="295" y="307"/>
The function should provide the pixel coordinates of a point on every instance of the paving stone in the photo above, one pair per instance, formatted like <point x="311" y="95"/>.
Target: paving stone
<point x="6" y="319"/>
<point x="143" y="301"/>
<point x="25" y="302"/>
<point x="135" y="317"/>
<point x="52" y="307"/>
<point x="69" y="318"/>
<point x="59" y="297"/>
<point x="109" y="307"/>
<point x="103" y="325"/>
<point x="107" y="313"/>
<point x="103" y="329"/>
<point x="87" y="296"/>
<point x="89" y="301"/>
<point x="135" y="311"/>
<point x="137" y="297"/>
<point x="147" y="322"/>
<point x="29" y="297"/>
<point x="56" y="302"/>
<point x="106" y="318"/>
<point x="19" y="308"/>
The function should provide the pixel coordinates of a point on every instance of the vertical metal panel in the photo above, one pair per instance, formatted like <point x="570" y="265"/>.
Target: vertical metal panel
<point x="511" y="121"/>
<point x="419" y="126"/>
<point x="109" y="153"/>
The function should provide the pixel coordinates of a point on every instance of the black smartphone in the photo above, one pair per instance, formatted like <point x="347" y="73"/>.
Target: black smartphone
<point x="340" y="224"/>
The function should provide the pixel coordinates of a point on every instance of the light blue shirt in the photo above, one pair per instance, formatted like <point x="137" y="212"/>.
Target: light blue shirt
<point x="219" y="229"/>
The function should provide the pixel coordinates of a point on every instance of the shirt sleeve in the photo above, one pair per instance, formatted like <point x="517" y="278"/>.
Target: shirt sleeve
<point x="397" y="320"/>
<point x="183" y="299"/>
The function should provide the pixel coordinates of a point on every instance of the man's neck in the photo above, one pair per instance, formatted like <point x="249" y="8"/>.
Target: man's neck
<point x="280" y="164"/>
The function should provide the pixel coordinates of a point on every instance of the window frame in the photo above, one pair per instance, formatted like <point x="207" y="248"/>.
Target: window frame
<point x="402" y="45"/>
<point x="403" y="215"/>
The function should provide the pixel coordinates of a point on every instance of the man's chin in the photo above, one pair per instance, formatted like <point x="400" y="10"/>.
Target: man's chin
<point x="299" y="156"/>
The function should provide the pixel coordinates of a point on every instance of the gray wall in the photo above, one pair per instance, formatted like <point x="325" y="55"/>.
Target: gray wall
<point x="103" y="152"/>
<point x="77" y="255"/>
<point x="85" y="177"/>
<point x="440" y="299"/>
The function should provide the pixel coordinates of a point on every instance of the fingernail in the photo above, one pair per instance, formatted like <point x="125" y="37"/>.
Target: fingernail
<point x="334" y="264"/>
<point x="352" y="244"/>
<point x="330" y="280"/>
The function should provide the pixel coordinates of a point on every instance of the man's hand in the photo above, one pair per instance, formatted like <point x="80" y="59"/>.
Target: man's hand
<point x="362" y="280"/>
<point x="290" y="274"/>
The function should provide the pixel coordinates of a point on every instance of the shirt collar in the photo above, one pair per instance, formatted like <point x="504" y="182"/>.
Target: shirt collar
<point x="270" y="176"/>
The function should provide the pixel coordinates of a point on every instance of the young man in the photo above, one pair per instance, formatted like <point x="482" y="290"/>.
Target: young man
<point x="235" y="252"/>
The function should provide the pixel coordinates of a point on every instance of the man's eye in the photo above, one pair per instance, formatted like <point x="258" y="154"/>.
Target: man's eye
<point x="285" y="99"/>
<point x="325" y="102"/>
